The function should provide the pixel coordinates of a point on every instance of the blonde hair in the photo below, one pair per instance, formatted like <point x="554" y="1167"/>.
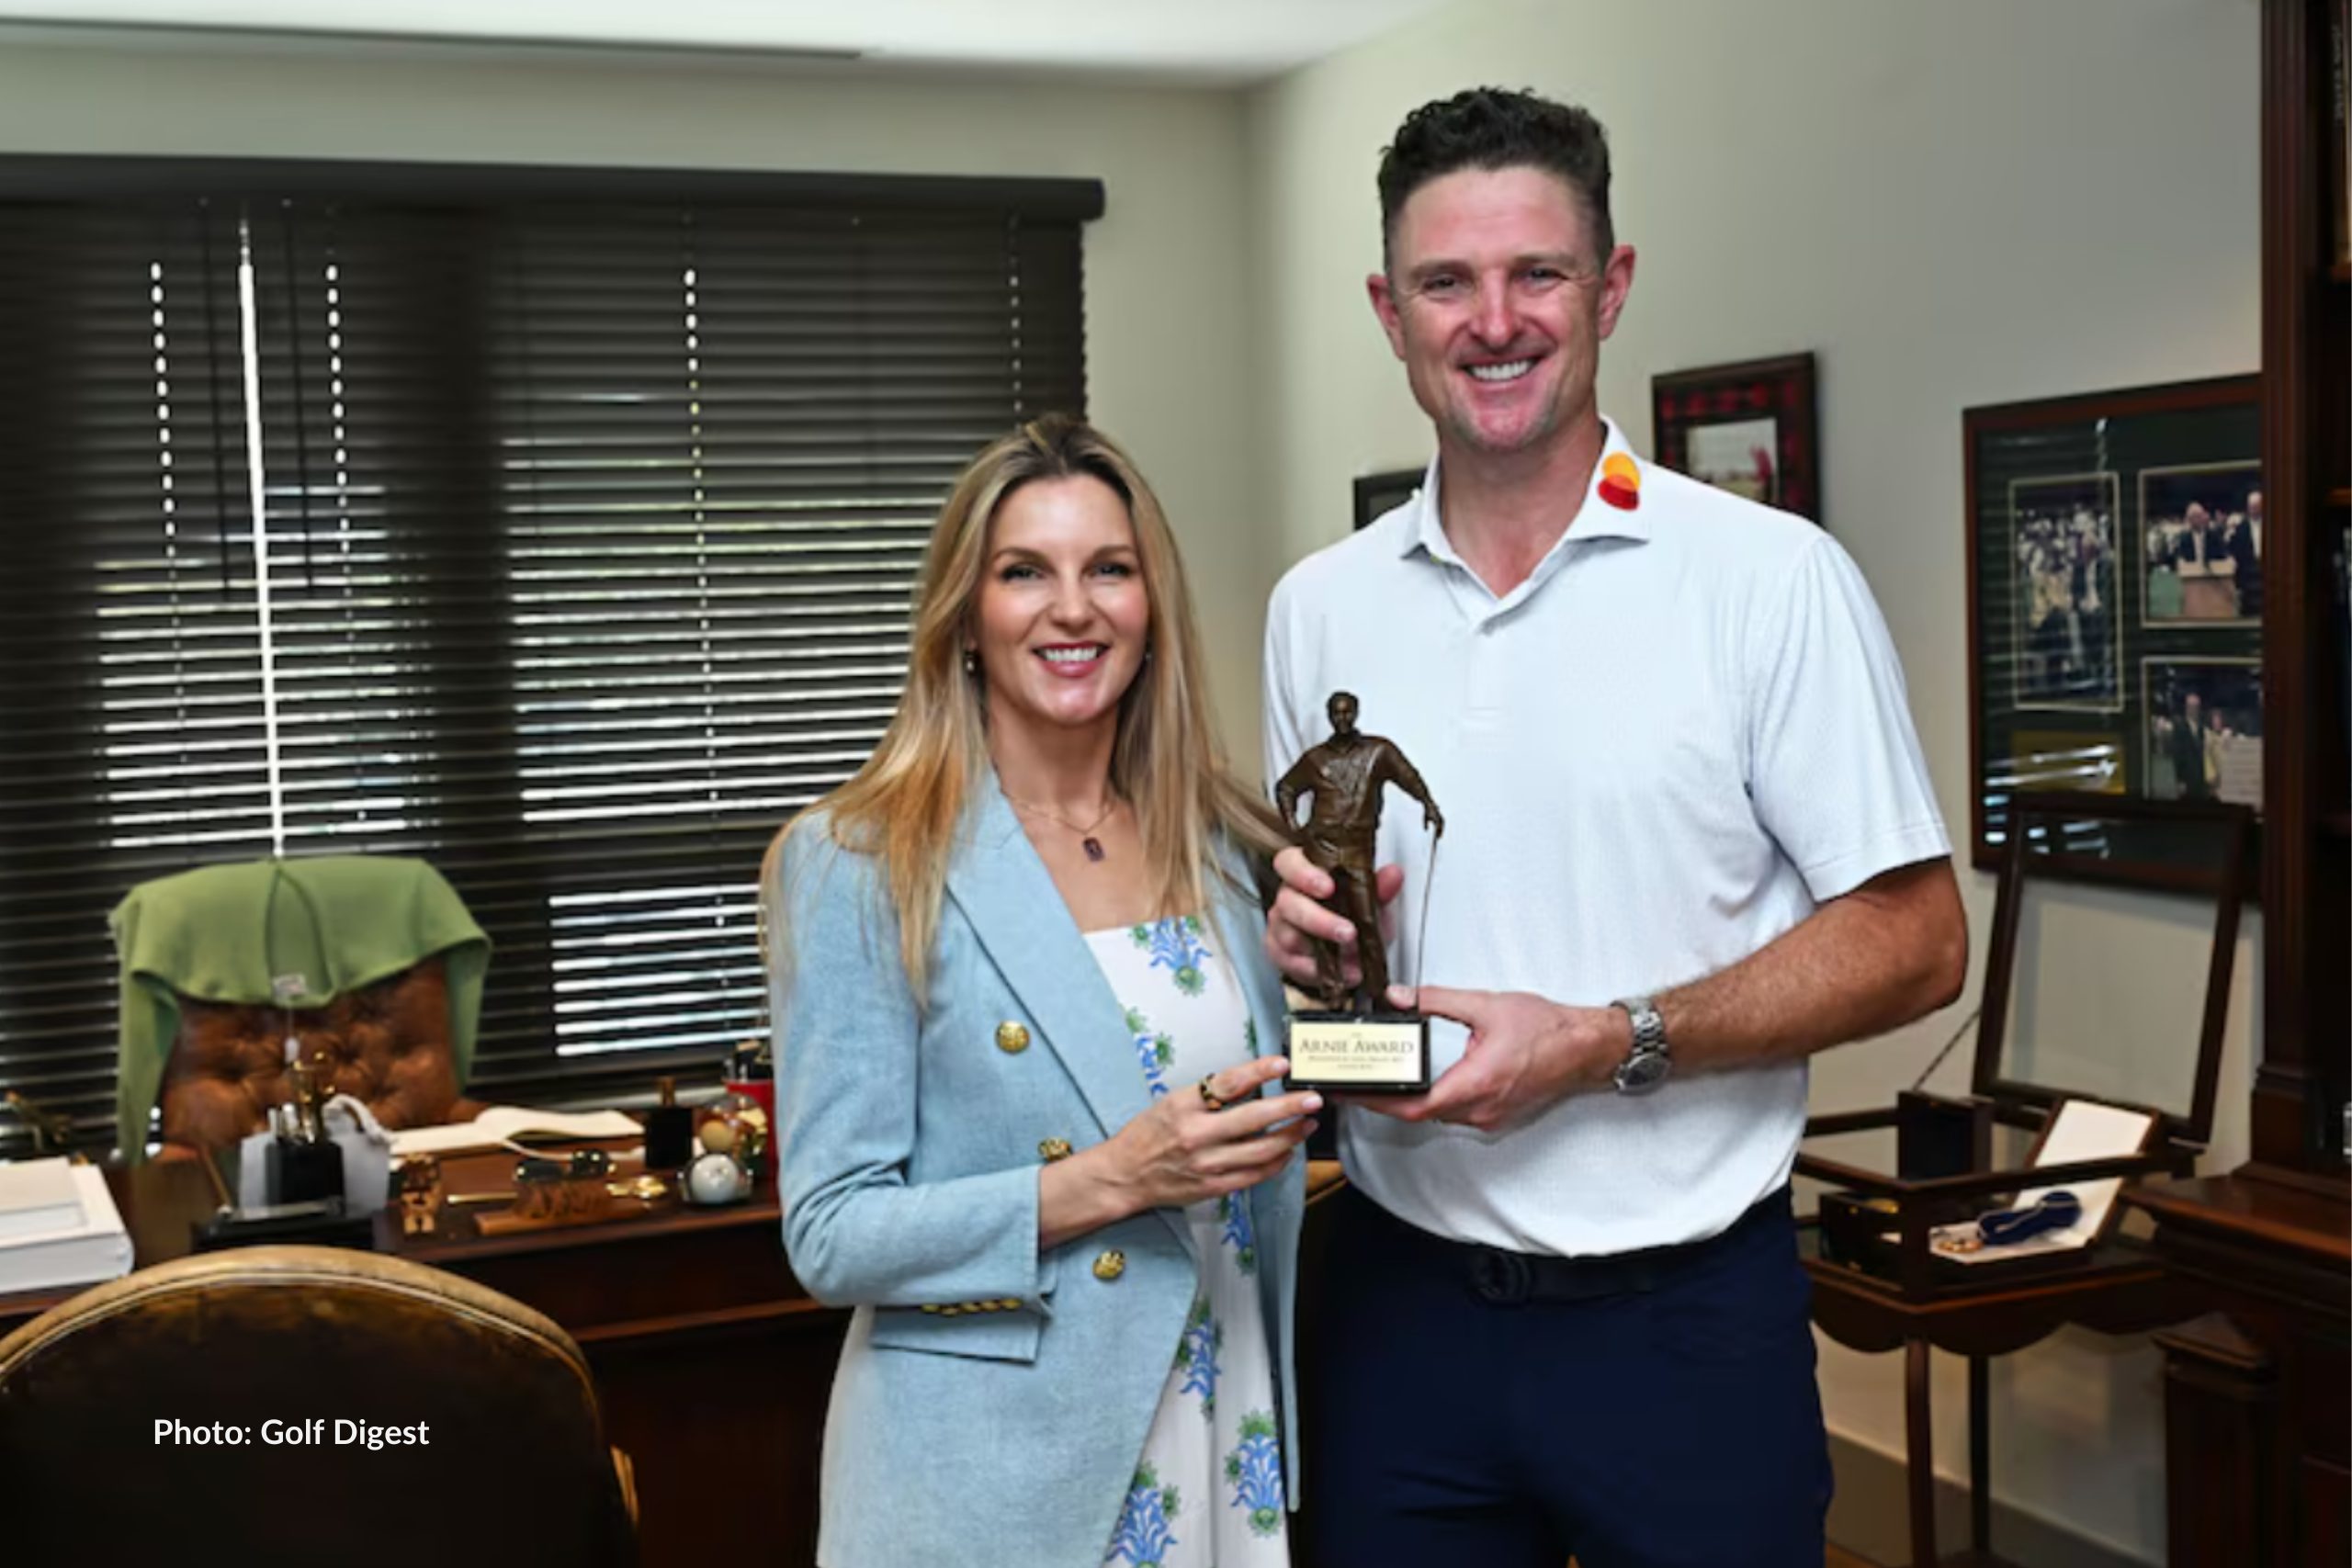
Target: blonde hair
<point x="903" y="807"/>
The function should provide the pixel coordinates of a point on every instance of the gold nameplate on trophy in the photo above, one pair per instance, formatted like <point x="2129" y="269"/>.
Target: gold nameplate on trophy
<point x="1354" y="1052"/>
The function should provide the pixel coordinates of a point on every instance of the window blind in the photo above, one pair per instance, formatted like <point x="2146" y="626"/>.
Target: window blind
<point x="590" y="528"/>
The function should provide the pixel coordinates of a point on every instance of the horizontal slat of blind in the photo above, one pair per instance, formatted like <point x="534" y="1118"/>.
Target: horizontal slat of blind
<point x="593" y="532"/>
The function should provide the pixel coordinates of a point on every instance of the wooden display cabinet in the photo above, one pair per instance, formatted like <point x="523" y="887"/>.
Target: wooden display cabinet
<point x="1873" y="1295"/>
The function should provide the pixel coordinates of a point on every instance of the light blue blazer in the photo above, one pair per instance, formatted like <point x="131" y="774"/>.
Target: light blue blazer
<point x="992" y="1398"/>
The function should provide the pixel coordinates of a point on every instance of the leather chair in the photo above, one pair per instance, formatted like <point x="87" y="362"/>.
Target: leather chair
<point x="513" y="1470"/>
<point x="387" y="1046"/>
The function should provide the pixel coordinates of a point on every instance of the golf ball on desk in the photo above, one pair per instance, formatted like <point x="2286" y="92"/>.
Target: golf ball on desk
<point x="716" y="1179"/>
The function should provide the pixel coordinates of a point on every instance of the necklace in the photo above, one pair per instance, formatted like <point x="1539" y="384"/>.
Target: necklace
<point x="1087" y="840"/>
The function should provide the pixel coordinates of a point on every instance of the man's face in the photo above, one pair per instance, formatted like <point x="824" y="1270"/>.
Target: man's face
<point x="2192" y="708"/>
<point x="1342" y="712"/>
<point x="1498" y="305"/>
<point x="2198" y="518"/>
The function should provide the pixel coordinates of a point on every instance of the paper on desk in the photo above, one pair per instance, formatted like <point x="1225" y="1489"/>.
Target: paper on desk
<point x="37" y="1196"/>
<point x="501" y="1122"/>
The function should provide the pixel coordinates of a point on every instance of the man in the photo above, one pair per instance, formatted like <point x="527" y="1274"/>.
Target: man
<point x="2197" y="547"/>
<point x="1691" y="842"/>
<point x="1346" y="776"/>
<point x="2243" y="547"/>
<point x="2203" y="549"/>
<point x="2192" y="747"/>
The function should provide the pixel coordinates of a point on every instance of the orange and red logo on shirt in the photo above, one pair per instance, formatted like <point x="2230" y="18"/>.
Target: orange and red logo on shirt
<point x="1620" y="481"/>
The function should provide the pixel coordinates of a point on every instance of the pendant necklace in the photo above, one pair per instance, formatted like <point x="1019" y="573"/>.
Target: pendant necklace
<point x="1086" y="839"/>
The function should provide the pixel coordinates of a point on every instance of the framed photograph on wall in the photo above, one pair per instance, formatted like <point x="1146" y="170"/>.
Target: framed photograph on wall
<point x="1379" y="494"/>
<point x="2063" y="597"/>
<point x="2202" y="560"/>
<point x="2114" y="613"/>
<point x="2203" y="729"/>
<point x="1747" y="428"/>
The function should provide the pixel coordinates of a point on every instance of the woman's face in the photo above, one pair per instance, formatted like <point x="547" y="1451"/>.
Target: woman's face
<point x="1063" y="617"/>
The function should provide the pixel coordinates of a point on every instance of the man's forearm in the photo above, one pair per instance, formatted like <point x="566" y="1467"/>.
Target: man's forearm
<point x="1893" y="949"/>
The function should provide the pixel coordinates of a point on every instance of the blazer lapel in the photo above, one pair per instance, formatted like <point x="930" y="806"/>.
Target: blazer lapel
<point x="1004" y="890"/>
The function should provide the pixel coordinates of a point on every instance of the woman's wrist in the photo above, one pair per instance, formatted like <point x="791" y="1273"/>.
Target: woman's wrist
<point x="1083" y="1192"/>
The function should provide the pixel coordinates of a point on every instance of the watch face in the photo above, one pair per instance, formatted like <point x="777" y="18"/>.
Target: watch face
<point x="1642" y="1071"/>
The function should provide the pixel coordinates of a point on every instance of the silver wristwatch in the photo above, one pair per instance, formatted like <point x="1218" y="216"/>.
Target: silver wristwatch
<point x="1646" y="1065"/>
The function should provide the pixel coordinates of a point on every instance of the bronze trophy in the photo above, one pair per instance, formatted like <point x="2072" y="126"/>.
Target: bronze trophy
<point x="1355" y="1043"/>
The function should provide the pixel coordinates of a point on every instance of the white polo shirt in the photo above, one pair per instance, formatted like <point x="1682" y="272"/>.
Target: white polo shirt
<point x="1683" y="731"/>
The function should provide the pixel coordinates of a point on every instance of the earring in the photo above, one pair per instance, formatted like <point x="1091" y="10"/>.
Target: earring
<point x="1147" y="653"/>
<point x="971" y="661"/>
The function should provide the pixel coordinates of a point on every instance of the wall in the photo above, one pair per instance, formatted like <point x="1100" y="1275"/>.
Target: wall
<point x="1164" y="264"/>
<point x="1951" y="204"/>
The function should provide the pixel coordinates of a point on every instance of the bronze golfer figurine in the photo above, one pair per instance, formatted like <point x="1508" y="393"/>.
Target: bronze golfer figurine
<point x="1356" y="1041"/>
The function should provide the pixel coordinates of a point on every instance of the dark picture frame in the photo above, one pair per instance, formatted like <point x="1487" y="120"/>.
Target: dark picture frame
<point x="1751" y="428"/>
<point x="2082" y="653"/>
<point x="1378" y="494"/>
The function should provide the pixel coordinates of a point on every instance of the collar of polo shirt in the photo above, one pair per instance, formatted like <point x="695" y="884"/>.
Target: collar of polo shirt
<point x="1594" y="520"/>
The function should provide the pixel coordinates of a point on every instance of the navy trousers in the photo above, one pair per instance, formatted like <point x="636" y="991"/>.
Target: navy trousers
<point x="1465" y="1414"/>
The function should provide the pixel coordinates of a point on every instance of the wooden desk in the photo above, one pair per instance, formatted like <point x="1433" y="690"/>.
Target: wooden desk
<point x="712" y="1364"/>
<point x="2122" y="1289"/>
<point x="2257" y="1425"/>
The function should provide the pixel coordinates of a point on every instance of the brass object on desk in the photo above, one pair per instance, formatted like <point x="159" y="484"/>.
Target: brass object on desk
<point x="419" y="1195"/>
<point x="563" y="1191"/>
<point x="52" y="1131"/>
<point x="645" y="1189"/>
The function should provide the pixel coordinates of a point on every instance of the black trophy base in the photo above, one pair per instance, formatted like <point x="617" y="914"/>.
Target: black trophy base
<point x="1340" y="1051"/>
<point x="316" y="1222"/>
<point x="304" y="1173"/>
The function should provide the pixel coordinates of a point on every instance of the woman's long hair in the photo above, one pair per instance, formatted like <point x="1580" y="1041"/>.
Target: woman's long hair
<point x="904" y="806"/>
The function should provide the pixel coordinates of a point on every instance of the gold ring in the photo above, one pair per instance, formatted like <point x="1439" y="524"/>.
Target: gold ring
<point x="1209" y="1096"/>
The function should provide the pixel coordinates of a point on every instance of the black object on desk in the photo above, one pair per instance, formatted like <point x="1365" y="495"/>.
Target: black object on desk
<point x="669" y="1132"/>
<point x="319" y="1222"/>
<point x="322" y="1220"/>
<point x="300" y="1172"/>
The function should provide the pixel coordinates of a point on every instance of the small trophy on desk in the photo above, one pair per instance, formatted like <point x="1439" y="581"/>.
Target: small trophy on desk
<point x="1355" y="1042"/>
<point x="305" y="1164"/>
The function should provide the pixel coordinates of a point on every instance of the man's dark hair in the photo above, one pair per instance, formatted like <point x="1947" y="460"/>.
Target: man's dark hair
<point x="1489" y="128"/>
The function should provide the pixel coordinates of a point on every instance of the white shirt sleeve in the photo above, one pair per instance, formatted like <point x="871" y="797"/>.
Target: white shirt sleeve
<point x="1284" y="734"/>
<point x="1834" y="765"/>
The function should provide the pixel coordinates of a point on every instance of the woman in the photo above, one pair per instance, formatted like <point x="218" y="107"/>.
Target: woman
<point x="1020" y="996"/>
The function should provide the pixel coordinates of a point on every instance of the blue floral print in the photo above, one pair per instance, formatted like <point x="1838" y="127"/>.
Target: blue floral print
<point x="1153" y="1051"/>
<point x="1196" y="1353"/>
<point x="1233" y="1212"/>
<point x="1143" y="1538"/>
<point x="1254" y="1471"/>
<point x="1176" y="947"/>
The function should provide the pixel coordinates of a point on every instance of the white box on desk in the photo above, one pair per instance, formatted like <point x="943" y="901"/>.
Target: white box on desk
<point x="95" y="1249"/>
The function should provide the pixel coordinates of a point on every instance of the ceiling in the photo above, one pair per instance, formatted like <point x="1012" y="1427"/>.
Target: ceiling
<point x="1224" y="43"/>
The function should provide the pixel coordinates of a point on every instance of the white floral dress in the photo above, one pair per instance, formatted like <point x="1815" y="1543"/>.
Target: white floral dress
<point x="1207" y="1491"/>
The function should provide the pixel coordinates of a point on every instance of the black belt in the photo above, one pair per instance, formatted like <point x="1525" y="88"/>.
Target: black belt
<point x="1500" y="1277"/>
